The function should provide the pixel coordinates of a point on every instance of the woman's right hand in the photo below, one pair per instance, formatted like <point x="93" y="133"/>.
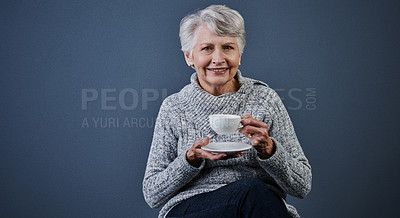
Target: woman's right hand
<point x="196" y="154"/>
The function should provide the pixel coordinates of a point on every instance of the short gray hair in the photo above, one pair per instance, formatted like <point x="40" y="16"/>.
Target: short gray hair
<point x="220" y="19"/>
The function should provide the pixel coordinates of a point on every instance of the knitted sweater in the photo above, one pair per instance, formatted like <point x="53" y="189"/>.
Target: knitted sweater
<point x="183" y="119"/>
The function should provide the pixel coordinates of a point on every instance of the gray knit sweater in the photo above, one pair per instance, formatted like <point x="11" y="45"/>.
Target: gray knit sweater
<point x="183" y="119"/>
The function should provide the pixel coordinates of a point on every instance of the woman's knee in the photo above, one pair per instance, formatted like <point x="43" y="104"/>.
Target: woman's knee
<point x="260" y="200"/>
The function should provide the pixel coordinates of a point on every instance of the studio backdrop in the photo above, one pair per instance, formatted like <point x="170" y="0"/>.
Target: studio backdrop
<point x="82" y="81"/>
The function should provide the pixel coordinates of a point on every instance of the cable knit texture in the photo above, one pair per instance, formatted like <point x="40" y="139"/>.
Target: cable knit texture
<point x="183" y="119"/>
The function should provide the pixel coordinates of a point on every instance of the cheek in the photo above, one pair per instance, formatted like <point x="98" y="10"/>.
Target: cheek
<point x="234" y="60"/>
<point x="202" y="61"/>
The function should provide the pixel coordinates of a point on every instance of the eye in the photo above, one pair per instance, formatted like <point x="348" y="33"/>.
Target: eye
<point x="228" y="47"/>
<point x="206" y="48"/>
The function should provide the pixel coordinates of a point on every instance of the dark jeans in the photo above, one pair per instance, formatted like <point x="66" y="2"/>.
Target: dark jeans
<point x="243" y="198"/>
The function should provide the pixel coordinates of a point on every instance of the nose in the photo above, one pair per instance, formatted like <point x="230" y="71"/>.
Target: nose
<point x="218" y="57"/>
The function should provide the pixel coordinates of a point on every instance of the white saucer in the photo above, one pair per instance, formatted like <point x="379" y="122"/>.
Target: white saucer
<point x="226" y="147"/>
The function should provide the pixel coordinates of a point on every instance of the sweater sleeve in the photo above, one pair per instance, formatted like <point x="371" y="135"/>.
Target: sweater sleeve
<point x="166" y="170"/>
<point x="288" y="166"/>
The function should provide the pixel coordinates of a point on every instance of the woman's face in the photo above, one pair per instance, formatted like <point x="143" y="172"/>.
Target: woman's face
<point x="216" y="60"/>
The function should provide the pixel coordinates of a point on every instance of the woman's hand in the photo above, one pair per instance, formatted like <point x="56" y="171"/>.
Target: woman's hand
<point x="257" y="132"/>
<point x="195" y="154"/>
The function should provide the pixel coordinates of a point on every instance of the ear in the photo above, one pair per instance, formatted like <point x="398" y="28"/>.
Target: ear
<point x="187" y="59"/>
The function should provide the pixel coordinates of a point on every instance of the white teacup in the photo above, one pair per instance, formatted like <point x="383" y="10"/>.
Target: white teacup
<point x="224" y="124"/>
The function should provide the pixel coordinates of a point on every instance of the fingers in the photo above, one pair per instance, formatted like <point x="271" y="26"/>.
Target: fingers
<point x="247" y="116"/>
<point x="253" y="129"/>
<point x="203" y="154"/>
<point x="257" y="132"/>
<point x="224" y="156"/>
<point x="250" y="131"/>
<point x="213" y="157"/>
<point x="239" y="154"/>
<point x="248" y="120"/>
<point x="202" y="142"/>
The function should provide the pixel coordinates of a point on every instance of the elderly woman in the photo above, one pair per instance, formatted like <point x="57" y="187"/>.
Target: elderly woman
<point x="192" y="182"/>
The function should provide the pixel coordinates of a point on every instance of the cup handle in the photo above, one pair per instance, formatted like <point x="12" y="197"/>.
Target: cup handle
<point x="239" y="128"/>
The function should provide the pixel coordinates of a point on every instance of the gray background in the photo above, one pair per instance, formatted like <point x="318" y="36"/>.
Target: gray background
<point x="334" y="63"/>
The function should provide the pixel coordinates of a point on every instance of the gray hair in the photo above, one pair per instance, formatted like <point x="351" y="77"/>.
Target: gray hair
<point x="220" y="19"/>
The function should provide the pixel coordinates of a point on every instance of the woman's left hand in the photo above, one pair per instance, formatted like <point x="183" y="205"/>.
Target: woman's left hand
<point x="257" y="132"/>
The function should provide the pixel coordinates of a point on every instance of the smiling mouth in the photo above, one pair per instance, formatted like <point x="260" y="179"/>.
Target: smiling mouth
<point x="218" y="70"/>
